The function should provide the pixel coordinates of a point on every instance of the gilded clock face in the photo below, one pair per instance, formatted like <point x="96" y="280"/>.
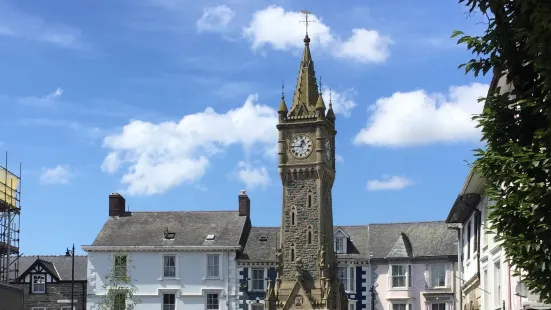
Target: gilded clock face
<point x="301" y="146"/>
<point x="327" y="149"/>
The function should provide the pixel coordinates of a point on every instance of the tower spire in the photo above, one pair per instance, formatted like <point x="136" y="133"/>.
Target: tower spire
<point x="306" y="92"/>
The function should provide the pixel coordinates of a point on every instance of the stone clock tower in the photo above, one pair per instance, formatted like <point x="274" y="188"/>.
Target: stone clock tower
<point x="306" y="268"/>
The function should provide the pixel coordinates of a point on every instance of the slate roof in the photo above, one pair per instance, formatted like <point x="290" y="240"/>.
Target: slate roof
<point x="61" y="266"/>
<point x="191" y="228"/>
<point x="383" y="241"/>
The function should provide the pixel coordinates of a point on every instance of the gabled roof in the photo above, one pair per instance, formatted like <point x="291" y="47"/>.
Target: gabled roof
<point x="381" y="241"/>
<point x="342" y="231"/>
<point x="60" y="267"/>
<point x="190" y="227"/>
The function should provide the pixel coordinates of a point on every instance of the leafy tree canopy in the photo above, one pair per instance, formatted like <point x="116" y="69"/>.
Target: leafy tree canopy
<point x="515" y="123"/>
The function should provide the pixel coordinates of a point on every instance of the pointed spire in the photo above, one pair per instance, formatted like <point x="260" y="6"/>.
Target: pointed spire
<point x="282" y="106"/>
<point x="320" y="105"/>
<point x="330" y="113"/>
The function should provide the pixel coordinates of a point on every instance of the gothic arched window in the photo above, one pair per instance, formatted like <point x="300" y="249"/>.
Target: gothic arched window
<point x="293" y="216"/>
<point x="309" y="235"/>
<point x="292" y="252"/>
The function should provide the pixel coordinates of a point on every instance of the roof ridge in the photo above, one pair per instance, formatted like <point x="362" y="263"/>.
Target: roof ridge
<point x="418" y="222"/>
<point x="187" y="211"/>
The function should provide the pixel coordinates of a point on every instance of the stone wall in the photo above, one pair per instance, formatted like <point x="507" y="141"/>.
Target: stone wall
<point x="12" y="297"/>
<point x="57" y="295"/>
<point x="297" y="193"/>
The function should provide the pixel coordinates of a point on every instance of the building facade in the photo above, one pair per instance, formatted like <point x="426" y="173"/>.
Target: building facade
<point x="410" y="266"/>
<point x="173" y="260"/>
<point x="47" y="282"/>
<point x="487" y="280"/>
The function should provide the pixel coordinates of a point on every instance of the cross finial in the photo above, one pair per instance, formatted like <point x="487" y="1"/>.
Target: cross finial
<point x="282" y="89"/>
<point x="306" y="21"/>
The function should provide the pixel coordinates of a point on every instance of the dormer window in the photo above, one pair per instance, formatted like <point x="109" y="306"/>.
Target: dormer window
<point x="210" y="237"/>
<point x="341" y="240"/>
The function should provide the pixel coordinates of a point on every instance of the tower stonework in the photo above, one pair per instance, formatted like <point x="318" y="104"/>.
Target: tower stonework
<point x="306" y="263"/>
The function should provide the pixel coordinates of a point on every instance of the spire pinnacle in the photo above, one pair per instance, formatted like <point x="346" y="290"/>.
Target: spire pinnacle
<point x="282" y="106"/>
<point x="330" y="113"/>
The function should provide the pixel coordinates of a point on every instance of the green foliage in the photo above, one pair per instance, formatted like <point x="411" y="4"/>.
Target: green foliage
<point x="516" y="128"/>
<point x="118" y="285"/>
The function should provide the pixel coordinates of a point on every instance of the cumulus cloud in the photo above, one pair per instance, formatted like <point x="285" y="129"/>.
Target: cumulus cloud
<point x="388" y="183"/>
<point x="418" y="118"/>
<point x="159" y="156"/>
<point x="60" y="174"/>
<point x="253" y="177"/>
<point x="343" y="102"/>
<point x="281" y="30"/>
<point x="215" y="19"/>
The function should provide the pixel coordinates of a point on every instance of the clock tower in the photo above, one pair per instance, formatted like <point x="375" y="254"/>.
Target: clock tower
<point x="306" y="263"/>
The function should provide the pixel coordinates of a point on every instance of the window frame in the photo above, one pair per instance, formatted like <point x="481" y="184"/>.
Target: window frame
<point x="163" y="305"/>
<point x="408" y="305"/>
<point x="497" y="289"/>
<point x="350" y="278"/>
<point x="40" y="308"/>
<point x="352" y="303"/>
<point x="342" y="250"/>
<point x="115" y="300"/>
<point x="118" y="268"/>
<point x="219" y="269"/>
<point x="68" y="307"/>
<point x="408" y="278"/>
<point x="253" y="280"/>
<point x="33" y="290"/>
<point x="176" y="264"/>
<point x="207" y="300"/>
<point x="432" y="273"/>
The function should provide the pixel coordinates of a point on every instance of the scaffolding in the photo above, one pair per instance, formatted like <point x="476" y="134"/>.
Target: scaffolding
<point x="10" y="208"/>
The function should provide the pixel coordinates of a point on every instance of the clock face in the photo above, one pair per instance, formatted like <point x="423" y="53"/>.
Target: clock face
<point x="327" y="149"/>
<point x="301" y="146"/>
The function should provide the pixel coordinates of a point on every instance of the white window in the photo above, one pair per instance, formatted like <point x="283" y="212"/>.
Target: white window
<point x="351" y="305"/>
<point x="257" y="307"/>
<point x="212" y="301"/>
<point x="400" y="276"/>
<point x="121" y="268"/>
<point x="497" y="284"/>
<point x="342" y="274"/>
<point x="213" y="267"/>
<point x="169" y="301"/>
<point x="438" y="306"/>
<point x="39" y="283"/>
<point x="401" y="306"/>
<point x="438" y="275"/>
<point x="339" y="245"/>
<point x="68" y="308"/>
<point x="257" y="279"/>
<point x="169" y="266"/>
<point x="486" y="297"/>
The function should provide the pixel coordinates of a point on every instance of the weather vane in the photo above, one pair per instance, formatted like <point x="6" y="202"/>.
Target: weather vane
<point x="306" y="21"/>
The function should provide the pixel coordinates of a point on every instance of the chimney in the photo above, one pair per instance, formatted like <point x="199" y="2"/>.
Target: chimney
<point x="244" y="204"/>
<point x="117" y="205"/>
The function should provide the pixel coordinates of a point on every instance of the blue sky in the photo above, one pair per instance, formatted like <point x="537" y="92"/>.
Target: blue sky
<point x="172" y="103"/>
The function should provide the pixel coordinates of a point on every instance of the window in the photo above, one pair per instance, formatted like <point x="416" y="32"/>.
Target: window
<point x="119" y="302"/>
<point x="293" y="216"/>
<point x="292" y="252"/>
<point x="339" y="245"/>
<point x="342" y="274"/>
<point x="39" y="283"/>
<point x="309" y="235"/>
<point x="486" y="226"/>
<point x="67" y="308"/>
<point x="257" y="307"/>
<point x="309" y="200"/>
<point x="497" y="284"/>
<point x="352" y="279"/>
<point x="475" y="230"/>
<point x="213" y="266"/>
<point x="121" y="269"/>
<point x="169" y="266"/>
<point x="40" y="308"/>
<point x="212" y="302"/>
<point x="486" y="296"/>
<point x="351" y="306"/>
<point x="468" y="240"/>
<point x="438" y="306"/>
<point x="438" y="275"/>
<point x="169" y="301"/>
<point x="257" y="279"/>
<point x="401" y="307"/>
<point x="401" y="276"/>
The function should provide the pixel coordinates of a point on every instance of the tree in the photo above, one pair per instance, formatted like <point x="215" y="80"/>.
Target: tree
<point x="516" y="129"/>
<point x="118" y="285"/>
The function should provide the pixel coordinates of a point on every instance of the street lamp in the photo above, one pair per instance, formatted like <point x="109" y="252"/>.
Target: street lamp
<point x="72" y="253"/>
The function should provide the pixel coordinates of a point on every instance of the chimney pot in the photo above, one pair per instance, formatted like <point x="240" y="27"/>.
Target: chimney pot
<point x="244" y="204"/>
<point x="117" y="205"/>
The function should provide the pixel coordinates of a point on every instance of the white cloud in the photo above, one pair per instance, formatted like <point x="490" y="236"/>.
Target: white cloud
<point x="281" y="30"/>
<point x="43" y="101"/>
<point x="14" y="23"/>
<point x="215" y="19"/>
<point x="343" y="102"/>
<point x="388" y="183"/>
<point x="57" y="175"/>
<point x="159" y="156"/>
<point x="253" y="176"/>
<point x="418" y="118"/>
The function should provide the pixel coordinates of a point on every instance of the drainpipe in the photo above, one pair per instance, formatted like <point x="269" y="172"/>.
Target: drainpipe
<point x="459" y="263"/>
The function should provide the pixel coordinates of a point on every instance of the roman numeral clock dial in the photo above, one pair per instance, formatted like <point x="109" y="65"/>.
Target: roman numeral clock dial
<point x="301" y="146"/>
